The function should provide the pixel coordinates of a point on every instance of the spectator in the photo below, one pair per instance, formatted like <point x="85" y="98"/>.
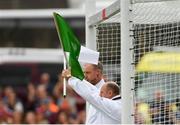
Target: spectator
<point x="178" y="111"/>
<point x="17" y="117"/>
<point x="142" y="113"/>
<point x="42" y="95"/>
<point x="4" y="113"/>
<point x="81" y="117"/>
<point x="38" y="106"/>
<point x="62" y="118"/>
<point x="175" y="108"/>
<point x="40" y="118"/>
<point x="13" y="103"/>
<point x="45" y="80"/>
<point x="6" y="93"/>
<point x="46" y="103"/>
<point x="30" y="118"/>
<point x="31" y="101"/>
<point x="160" y="109"/>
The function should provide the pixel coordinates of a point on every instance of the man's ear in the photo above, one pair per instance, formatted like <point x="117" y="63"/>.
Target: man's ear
<point x="98" y="74"/>
<point x="110" y="93"/>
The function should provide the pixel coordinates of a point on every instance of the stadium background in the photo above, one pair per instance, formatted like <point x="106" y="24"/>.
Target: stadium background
<point x="23" y="98"/>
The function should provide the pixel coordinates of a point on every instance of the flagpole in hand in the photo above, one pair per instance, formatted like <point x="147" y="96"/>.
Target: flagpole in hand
<point x="70" y="44"/>
<point x="64" y="80"/>
<point x="65" y="56"/>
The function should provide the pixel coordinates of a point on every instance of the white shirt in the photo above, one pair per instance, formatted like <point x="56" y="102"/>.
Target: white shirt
<point x="107" y="111"/>
<point x="91" y="110"/>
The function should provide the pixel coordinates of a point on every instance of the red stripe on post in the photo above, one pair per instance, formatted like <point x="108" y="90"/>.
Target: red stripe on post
<point x="104" y="14"/>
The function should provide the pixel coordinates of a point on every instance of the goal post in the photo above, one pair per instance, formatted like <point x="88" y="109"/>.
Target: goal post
<point x="127" y="73"/>
<point x="139" y="43"/>
<point x="90" y="6"/>
<point x="112" y="56"/>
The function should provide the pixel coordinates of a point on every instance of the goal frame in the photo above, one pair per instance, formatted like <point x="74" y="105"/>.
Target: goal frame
<point x="127" y="74"/>
<point x="127" y="50"/>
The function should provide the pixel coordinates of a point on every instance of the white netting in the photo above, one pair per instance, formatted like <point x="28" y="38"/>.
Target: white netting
<point x="152" y="12"/>
<point x="108" y="37"/>
<point x="157" y="91"/>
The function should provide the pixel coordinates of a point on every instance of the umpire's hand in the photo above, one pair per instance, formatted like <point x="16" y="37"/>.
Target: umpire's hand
<point x="66" y="73"/>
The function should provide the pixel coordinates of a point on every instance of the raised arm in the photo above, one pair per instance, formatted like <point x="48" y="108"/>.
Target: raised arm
<point x="91" y="94"/>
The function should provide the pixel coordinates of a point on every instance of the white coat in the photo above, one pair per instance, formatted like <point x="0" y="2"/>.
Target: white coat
<point x="106" y="111"/>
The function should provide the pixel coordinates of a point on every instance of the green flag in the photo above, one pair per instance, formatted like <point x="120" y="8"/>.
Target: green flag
<point x="70" y="44"/>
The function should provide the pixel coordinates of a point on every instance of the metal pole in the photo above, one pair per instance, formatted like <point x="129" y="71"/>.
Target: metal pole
<point x="90" y="6"/>
<point x="90" y="31"/>
<point x="64" y="80"/>
<point x="126" y="66"/>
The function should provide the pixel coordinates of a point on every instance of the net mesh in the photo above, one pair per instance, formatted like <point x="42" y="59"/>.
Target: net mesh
<point x="157" y="91"/>
<point x="108" y="37"/>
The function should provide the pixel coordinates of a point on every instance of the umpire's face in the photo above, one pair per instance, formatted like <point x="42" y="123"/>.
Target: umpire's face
<point x="91" y="74"/>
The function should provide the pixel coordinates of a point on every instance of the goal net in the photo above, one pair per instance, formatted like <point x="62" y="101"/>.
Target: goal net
<point x="155" y="35"/>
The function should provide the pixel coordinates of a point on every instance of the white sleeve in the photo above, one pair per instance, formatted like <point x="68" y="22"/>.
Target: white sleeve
<point x="91" y="94"/>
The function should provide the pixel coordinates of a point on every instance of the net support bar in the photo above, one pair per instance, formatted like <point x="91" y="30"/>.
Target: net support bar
<point x="112" y="10"/>
<point x="105" y="13"/>
<point x="90" y="6"/>
<point x="143" y="1"/>
<point x="90" y="31"/>
<point x="126" y="67"/>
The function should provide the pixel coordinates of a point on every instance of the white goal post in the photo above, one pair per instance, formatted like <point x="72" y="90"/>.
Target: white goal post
<point x="139" y="43"/>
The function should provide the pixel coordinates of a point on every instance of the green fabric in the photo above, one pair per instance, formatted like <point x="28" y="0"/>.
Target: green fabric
<point x="70" y="44"/>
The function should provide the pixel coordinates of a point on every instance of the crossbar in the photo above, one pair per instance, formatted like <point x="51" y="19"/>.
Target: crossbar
<point x="104" y="14"/>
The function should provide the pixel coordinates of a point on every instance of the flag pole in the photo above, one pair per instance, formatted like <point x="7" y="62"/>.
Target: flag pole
<point x="64" y="80"/>
<point x="65" y="57"/>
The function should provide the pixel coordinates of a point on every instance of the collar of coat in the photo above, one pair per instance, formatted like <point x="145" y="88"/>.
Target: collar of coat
<point x="116" y="97"/>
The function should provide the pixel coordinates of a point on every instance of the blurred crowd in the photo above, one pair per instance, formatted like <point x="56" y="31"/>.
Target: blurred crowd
<point x="41" y="103"/>
<point x="158" y="111"/>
